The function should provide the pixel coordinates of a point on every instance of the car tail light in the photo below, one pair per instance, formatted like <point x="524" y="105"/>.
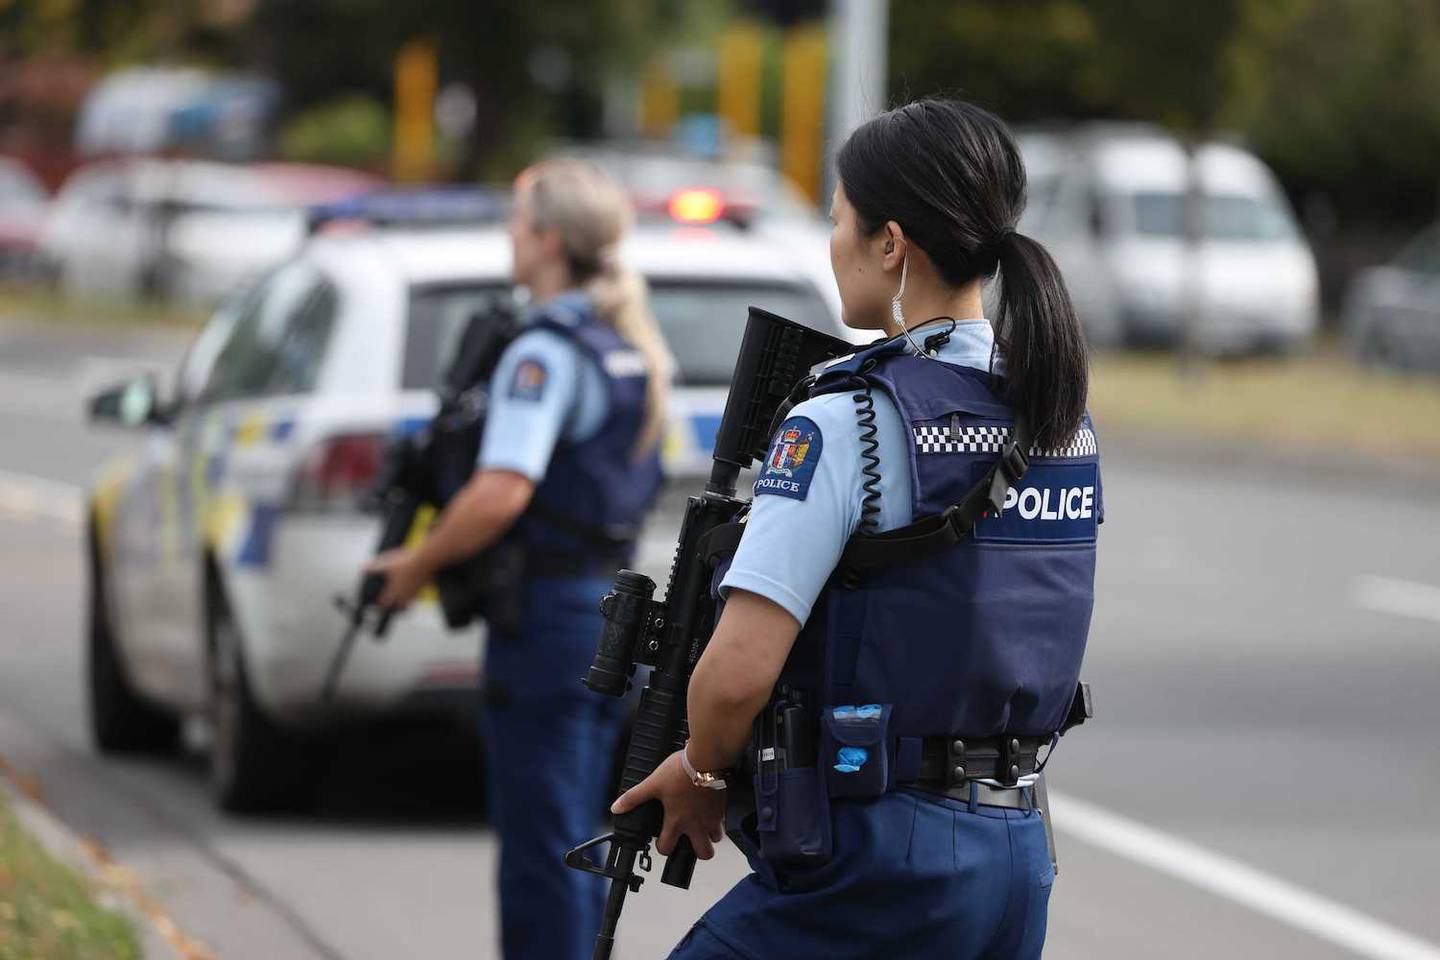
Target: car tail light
<point x="340" y="470"/>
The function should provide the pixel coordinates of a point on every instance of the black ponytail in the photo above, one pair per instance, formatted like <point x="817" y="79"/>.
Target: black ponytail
<point x="950" y="174"/>
<point x="1047" y="373"/>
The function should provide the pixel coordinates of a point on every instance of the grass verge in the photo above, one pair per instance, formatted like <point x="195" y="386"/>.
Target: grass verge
<point x="48" y="910"/>
<point x="39" y="305"/>
<point x="1314" y="402"/>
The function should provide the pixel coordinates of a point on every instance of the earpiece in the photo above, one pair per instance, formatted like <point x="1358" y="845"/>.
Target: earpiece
<point x="889" y="246"/>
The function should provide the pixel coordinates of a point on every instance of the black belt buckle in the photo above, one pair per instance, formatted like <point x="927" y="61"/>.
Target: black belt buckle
<point x="955" y="775"/>
<point x="1007" y="770"/>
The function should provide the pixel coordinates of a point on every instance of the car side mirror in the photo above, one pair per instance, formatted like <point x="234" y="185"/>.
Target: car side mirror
<point x="133" y="403"/>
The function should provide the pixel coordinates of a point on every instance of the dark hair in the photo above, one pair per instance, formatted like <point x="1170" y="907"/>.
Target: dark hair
<point x="950" y="174"/>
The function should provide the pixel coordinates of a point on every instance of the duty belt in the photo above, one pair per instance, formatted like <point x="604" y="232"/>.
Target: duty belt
<point x="544" y="563"/>
<point x="947" y="762"/>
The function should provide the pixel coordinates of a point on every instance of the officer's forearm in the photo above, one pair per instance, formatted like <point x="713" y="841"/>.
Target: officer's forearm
<point x="477" y="516"/>
<point x="735" y="677"/>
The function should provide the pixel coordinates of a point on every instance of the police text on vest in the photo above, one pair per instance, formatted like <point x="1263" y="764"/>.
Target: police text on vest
<point x="1069" y="503"/>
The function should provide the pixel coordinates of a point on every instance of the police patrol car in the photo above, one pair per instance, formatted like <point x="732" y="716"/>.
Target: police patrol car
<point x="218" y="545"/>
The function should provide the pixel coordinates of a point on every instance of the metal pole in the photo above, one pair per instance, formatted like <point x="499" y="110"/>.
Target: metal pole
<point x="859" y="45"/>
<point x="1193" y="217"/>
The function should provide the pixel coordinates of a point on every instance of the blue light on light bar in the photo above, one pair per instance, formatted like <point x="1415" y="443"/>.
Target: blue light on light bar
<point x="421" y="206"/>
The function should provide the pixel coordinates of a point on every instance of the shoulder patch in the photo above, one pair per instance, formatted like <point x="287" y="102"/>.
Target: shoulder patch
<point x="790" y="464"/>
<point x="529" y="381"/>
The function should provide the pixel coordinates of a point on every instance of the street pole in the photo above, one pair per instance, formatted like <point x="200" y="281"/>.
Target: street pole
<point x="859" y="44"/>
<point x="1193" y="228"/>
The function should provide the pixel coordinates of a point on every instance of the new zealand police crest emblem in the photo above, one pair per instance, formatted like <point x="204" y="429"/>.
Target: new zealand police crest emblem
<point x="789" y="452"/>
<point x="790" y="464"/>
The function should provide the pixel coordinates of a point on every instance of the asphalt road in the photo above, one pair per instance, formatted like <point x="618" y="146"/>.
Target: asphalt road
<point x="1261" y="780"/>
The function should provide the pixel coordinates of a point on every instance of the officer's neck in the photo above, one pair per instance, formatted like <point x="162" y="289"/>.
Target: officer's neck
<point x="929" y="297"/>
<point x="549" y="281"/>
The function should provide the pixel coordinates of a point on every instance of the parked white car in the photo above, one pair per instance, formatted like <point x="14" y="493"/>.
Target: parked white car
<point x="1109" y="202"/>
<point x="189" y="231"/>
<point x="216" y="547"/>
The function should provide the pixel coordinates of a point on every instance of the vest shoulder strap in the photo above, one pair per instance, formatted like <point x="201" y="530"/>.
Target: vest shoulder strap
<point x="934" y="533"/>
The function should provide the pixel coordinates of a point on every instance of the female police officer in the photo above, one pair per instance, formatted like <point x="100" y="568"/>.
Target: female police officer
<point x="936" y="674"/>
<point x="568" y="466"/>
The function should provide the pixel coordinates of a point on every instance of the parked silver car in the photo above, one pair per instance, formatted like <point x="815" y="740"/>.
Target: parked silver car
<point x="1392" y="312"/>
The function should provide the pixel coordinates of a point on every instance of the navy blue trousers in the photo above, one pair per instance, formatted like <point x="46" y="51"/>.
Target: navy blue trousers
<point x="549" y="745"/>
<point x="913" y="875"/>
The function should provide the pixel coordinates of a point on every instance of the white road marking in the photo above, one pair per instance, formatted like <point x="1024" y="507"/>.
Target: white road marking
<point x="1251" y="888"/>
<point x="35" y="496"/>
<point x="1404" y="598"/>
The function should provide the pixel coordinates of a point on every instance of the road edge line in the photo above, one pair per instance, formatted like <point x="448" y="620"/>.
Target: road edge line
<point x="1396" y="596"/>
<point x="26" y="495"/>
<point x="1238" y="882"/>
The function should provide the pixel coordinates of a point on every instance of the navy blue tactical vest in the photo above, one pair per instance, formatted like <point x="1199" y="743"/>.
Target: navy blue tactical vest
<point x="598" y="485"/>
<point x="986" y="636"/>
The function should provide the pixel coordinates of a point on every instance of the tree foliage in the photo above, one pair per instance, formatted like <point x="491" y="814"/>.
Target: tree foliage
<point x="1338" y="95"/>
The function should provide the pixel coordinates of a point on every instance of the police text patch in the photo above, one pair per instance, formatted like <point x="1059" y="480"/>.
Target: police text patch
<point x="790" y="464"/>
<point x="1053" y="502"/>
<point x="529" y="382"/>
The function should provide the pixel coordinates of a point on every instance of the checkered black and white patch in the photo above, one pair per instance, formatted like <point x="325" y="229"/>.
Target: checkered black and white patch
<point x="993" y="440"/>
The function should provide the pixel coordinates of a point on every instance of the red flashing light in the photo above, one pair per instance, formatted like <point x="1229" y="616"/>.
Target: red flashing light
<point x="696" y="206"/>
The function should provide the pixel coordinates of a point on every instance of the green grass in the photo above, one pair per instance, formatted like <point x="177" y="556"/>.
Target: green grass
<point x="1311" y="402"/>
<point x="35" y="304"/>
<point x="47" y="909"/>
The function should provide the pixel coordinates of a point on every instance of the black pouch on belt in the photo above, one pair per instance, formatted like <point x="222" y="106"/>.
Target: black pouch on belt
<point x="792" y="813"/>
<point x="855" y="749"/>
<point x="489" y="585"/>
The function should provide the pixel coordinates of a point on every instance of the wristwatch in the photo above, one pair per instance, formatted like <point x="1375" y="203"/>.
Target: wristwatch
<point x="705" y="779"/>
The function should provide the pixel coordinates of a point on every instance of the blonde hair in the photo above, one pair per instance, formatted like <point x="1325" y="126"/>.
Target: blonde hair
<point x="591" y="214"/>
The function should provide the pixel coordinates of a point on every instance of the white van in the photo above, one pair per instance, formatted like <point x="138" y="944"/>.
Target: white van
<point x="1109" y="202"/>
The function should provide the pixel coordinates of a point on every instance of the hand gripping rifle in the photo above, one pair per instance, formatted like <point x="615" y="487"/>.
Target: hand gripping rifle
<point x="670" y="634"/>
<point x="427" y="469"/>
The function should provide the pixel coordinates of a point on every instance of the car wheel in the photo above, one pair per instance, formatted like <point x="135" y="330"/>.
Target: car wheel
<point x="120" y="721"/>
<point x="254" y="766"/>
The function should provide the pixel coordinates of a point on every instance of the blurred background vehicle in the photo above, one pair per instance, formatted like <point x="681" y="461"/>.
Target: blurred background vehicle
<point x="149" y="110"/>
<point x="1392" y="312"/>
<point x="23" y="200"/>
<point x="1110" y="202"/>
<point x="187" y="231"/>
<point x="217" y="544"/>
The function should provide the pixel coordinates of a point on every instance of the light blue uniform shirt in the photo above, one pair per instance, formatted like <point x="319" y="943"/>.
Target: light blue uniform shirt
<point x="792" y="543"/>
<point x="544" y="388"/>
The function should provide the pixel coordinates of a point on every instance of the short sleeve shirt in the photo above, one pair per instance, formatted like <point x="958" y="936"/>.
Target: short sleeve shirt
<point x="809" y="493"/>
<point x="544" y="389"/>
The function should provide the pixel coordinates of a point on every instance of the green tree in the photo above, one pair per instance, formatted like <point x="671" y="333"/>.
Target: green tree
<point x="493" y="47"/>
<point x="1338" y="95"/>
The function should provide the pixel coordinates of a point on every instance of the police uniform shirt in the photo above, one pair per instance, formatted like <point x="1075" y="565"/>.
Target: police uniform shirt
<point x="544" y="388"/>
<point x="809" y="494"/>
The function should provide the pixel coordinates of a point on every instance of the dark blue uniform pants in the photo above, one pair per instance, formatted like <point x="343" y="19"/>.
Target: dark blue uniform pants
<point x="913" y="875"/>
<point x="549" y="743"/>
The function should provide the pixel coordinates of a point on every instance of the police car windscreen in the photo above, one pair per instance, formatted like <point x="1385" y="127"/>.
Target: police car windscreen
<point x="704" y="320"/>
<point x="438" y="316"/>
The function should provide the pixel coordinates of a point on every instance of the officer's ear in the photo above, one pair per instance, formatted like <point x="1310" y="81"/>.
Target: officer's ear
<point x="892" y="245"/>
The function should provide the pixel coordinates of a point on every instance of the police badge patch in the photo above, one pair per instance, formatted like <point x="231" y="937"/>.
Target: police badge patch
<point x="529" y="382"/>
<point x="790" y="464"/>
